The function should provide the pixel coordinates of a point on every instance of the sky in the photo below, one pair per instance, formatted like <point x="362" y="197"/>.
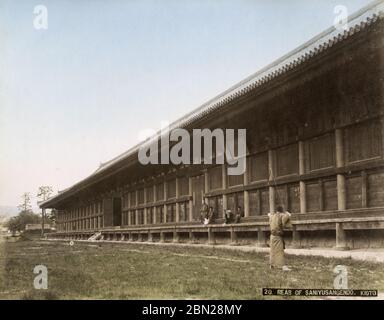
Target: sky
<point x="79" y="92"/>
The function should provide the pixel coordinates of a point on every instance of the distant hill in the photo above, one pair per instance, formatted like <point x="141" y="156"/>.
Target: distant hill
<point x="8" y="211"/>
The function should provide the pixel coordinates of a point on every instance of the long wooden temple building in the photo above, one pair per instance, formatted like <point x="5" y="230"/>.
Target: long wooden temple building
<point x="315" y="125"/>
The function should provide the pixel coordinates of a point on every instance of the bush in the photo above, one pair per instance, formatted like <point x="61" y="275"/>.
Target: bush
<point x="19" y="222"/>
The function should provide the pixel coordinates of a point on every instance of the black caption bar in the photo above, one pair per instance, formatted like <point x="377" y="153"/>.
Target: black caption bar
<point x="319" y="292"/>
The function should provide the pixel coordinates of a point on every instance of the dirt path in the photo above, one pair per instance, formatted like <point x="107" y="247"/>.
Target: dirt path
<point x="371" y="255"/>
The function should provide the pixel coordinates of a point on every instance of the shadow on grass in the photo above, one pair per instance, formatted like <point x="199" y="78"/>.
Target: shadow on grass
<point x="39" y="295"/>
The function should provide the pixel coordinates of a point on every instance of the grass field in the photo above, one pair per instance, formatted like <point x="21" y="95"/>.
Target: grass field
<point x="137" y="271"/>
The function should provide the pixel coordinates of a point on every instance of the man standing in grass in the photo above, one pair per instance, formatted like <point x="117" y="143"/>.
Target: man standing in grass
<point x="278" y="221"/>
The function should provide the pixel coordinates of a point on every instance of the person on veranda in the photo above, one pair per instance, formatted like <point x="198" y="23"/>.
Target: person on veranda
<point x="239" y="214"/>
<point x="203" y="212"/>
<point x="227" y="216"/>
<point x="211" y="215"/>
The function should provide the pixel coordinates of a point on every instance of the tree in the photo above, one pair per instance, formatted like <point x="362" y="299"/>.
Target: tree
<point x="19" y="222"/>
<point x="43" y="194"/>
<point x="13" y="224"/>
<point x="25" y="206"/>
<point x="52" y="216"/>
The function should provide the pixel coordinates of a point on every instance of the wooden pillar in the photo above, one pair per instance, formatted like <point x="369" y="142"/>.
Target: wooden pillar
<point x="192" y="237"/>
<point x="127" y="209"/>
<point x="364" y="195"/>
<point x="162" y="236"/>
<point x="246" y="192"/>
<point x="211" y="236"/>
<point x="272" y="199"/>
<point x="224" y="187"/>
<point x="296" y="237"/>
<point x="341" y="196"/>
<point x="261" y="239"/>
<point x="302" y="187"/>
<point x="165" y="206"/>
<point x="137" y="211"/>
<point x="341" y="239"/>
<point x="339" y="144"/>
<point x="246" y="203"/>
<point x="154" y="213"/>
<point x="301" y="158"/>
<point x="271" y="168"/>
<point x="154" y="207"/>
<point x="130" y="236"/>
<point x="206" y="181"/>
<point x="321" y="195"/>
<point x="145" y="203"/>
<point x="150" y="236"/>
<point x="122" y="218"/>
<point x="233" y="236"/>
<point x="175" y="236"/>
<point x="139" y="237"/>
<point x="190" y="213"/>
<point x="303" y="197"/>
<point x="177" y="218"/>
<point x="341" y="191"/>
